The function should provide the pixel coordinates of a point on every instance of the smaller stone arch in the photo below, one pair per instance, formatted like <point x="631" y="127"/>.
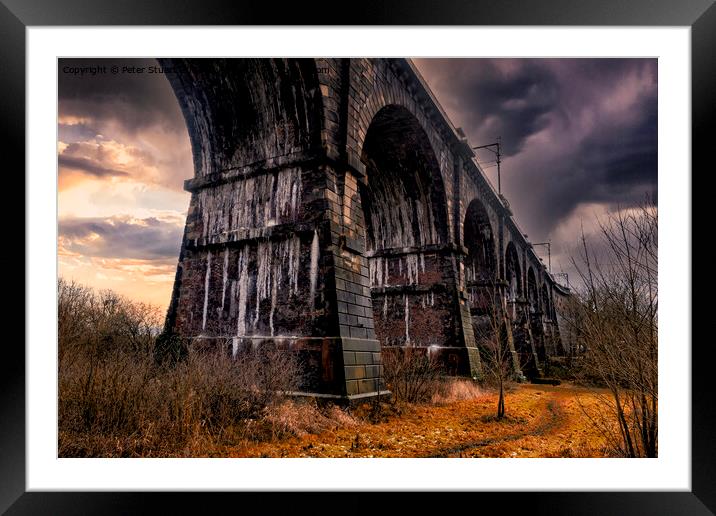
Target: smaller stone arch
<point x="546" y="302"/>
<point x="478" y="237"/>
<point x="532" y="294"/>
<point x="513" y="273"/>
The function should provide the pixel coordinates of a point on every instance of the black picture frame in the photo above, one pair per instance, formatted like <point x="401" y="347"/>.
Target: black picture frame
<point x="17" y="15"/>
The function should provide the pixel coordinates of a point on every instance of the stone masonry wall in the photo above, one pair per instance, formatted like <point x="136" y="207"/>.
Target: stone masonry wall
<point x="327" y="218"/>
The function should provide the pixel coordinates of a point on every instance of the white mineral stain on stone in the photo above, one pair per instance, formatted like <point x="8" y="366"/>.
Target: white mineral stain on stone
<point x="407" y="320"/>
<point x="376" y="271"/>
<point x="243" y="280"/>
<point x="276" y="264"/>
<point x="314" y="267"/>
<point x="224" y="277"/>
<point x="206" y="289"/>
<point x="275" y="285"/>
<point x="255" y="202"/>
<point x="293" y="249"/>
<point x="263" y="275"/>
<point x="412" y="266"/>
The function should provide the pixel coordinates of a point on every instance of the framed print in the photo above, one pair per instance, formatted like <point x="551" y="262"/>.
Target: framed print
<point x="345" y="236"/>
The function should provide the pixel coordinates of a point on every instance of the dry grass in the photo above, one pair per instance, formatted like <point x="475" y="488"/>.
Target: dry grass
<point x="303" y="417"/>
<point x="457" y="390"/>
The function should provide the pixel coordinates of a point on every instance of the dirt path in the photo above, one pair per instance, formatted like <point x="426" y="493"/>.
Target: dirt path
<point x="552" y="419"/>
<point x="541" y="421"/>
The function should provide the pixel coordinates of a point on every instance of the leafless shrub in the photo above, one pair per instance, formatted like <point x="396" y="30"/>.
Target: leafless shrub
<point x="102" y="322"/>
<point x="410" y="374"/>
<point x="115" y="399"/>
<point x="616" y="321"/>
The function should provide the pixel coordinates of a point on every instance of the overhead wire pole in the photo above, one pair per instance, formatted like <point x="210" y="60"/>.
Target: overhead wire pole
<point x="496" y="148"/>
<point x="497" y="152"/>
<point x="549" y="254"/>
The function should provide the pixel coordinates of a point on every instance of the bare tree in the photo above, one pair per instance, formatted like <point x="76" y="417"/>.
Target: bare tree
<point x="616" y="321"/>
<point x="492" y="333"/>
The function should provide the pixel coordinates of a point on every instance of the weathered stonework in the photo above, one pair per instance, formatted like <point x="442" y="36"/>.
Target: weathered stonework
<point x="336" y="213"/>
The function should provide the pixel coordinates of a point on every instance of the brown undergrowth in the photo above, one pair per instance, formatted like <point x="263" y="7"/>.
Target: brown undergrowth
<point x="170" y="419"/>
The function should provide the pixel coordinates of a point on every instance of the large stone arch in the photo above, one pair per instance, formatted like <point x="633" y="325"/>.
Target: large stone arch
<point x="242" y="112"/>
<point x="404" y="204"/>
<point x="480" y="266"/>
<point x="255" y="241"/>
<point x="481" y="280"/>
<point x="389" y="86"/>
<point x="403" y="192"/>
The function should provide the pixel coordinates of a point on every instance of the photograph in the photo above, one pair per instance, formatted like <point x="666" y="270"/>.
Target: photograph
<point x="357" y="257"/>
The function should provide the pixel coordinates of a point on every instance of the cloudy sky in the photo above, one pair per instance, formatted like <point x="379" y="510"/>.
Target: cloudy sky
<point x="579" y="139"/>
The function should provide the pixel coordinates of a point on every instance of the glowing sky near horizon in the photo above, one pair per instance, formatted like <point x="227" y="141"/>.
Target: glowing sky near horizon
<point x="579" y="137"/>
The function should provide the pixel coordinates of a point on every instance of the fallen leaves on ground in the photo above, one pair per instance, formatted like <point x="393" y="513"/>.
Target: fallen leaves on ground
<point x="541" y="421"/>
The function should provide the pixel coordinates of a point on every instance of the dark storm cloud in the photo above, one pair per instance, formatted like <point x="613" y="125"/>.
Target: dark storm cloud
<point x="615" y="164"/>
<point x="134" y="100"/>
<point x="121" y="237"/>
<point x="574" y="131"/>
<point x="498" y="101"/>
<point x="87" y="166"/>
<point x="625" y="156"/>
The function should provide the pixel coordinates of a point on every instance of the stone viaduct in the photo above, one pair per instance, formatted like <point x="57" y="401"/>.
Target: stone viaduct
<point x="337" y="213"/>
